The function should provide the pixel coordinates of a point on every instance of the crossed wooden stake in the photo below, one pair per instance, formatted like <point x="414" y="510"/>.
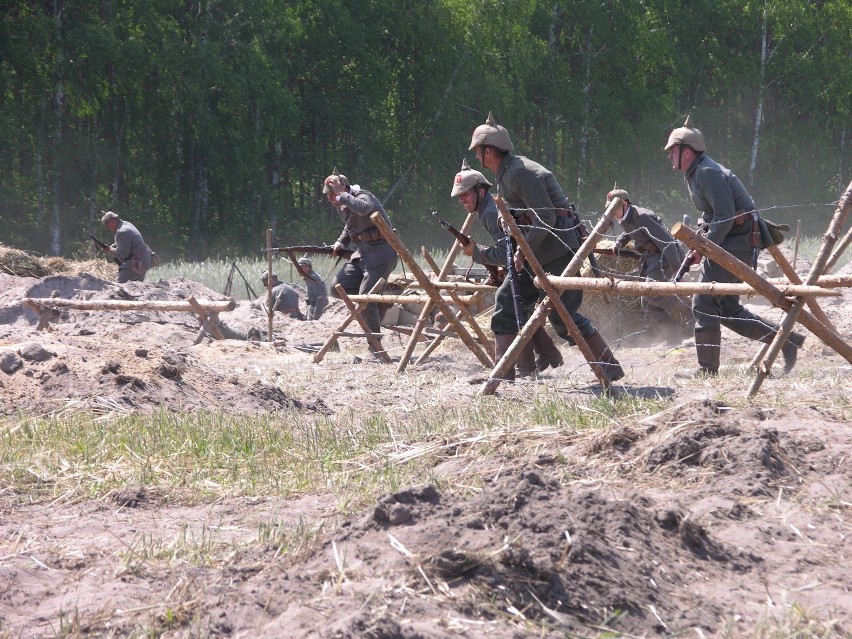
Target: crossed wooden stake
<point x="552" y="301"/>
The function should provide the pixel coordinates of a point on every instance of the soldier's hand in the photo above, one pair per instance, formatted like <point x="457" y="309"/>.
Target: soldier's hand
<point x="696" y="258"/>
<point x="105" y="249"/>
<point x="468" y="248"/>
<point x="338" y="246"/>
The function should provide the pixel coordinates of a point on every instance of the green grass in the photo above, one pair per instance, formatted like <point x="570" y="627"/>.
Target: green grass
<point x="355" y="456"/>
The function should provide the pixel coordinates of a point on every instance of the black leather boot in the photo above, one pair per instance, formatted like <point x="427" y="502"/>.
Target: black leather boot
<point x="600" y="351"/>
<point x="708" y="348"/>
<point x="548" y="353"/>
<point x="790" y="350"/>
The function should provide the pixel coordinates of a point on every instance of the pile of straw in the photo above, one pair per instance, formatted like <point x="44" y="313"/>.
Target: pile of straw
<point x="27" y="264"/>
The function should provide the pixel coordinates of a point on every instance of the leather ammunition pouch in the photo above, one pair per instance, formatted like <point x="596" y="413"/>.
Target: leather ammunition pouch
<point x="370" y="235"/>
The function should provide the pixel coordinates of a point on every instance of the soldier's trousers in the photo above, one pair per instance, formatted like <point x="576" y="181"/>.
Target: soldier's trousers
<point x="712" y="310"/>
<point x="126" y="275"/>
<point x="504" y="321"/>
<point x="674" y="305"/>
<point x="356" y="279"/>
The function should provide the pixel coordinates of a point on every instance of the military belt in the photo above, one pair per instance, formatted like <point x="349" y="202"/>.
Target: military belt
<point x="370" y="235"/>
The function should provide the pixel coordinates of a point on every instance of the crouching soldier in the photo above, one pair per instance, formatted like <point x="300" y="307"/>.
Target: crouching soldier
<point x="129" y="249"/>
<point x="661" y="257"/>
<point x="471" y="189"/>
<point x="285" y="298"/>
<point x="317" y="298"/>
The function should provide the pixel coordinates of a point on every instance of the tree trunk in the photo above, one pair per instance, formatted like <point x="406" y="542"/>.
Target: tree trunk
<point x="758" y="112"/>
<point x="583" y="166"/>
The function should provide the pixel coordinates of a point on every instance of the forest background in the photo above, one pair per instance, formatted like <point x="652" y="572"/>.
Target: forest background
<point x="205" y="122"/>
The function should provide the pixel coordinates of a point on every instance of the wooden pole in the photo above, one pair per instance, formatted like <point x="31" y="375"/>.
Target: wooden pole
<point x="356" y="312"/>
<point x="713" y="251"/>
<point x="539" y="316"/>
<point x="795" y="311"/>
<point x="791" y="274"/>
<point x="639" y="288"/>
<point x="426" y="311"/>
<point x="421" y="277"/>
<point x="133" y="305"/>
<point x="841" y="247"/>
<point x="796" y="245"/>
<point x="383" y="298"/>
<point x="459" y="286"/>
<point x="269" y="308"/>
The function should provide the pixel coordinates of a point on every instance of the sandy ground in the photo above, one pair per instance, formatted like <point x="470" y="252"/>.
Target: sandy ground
<point x="705" y="520"/>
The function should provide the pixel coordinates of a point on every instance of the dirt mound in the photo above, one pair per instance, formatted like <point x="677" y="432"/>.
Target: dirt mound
<point x="708" y="518"/>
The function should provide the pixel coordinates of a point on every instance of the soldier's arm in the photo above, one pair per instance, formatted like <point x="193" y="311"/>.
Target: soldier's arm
<point x="716" y="191"/>
<point x="122" y="246"/>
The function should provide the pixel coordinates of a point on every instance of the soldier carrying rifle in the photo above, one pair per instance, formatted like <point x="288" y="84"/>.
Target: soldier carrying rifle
<point x="374" y="257"/>
<point x="471" y="189"/>
<point x="129" y="250"/>
<point x="552" y="236"/>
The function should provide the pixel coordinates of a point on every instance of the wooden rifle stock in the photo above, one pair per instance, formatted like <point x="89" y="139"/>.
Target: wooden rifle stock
<point x="494" y="273"/>
<point x="684" y="266"/>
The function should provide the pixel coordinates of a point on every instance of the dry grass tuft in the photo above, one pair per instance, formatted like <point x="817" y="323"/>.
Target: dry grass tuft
<point x="27" y="264"/>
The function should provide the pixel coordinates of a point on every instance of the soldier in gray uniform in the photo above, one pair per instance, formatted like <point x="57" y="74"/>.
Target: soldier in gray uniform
<point x="727" y="220"/>
<point x="525" y="184"/>
<point x="133" y="255"/>
<point x="317" y="298"/>
<point x="471" y="189"/>
<point x="285" y="298"/>
<point x="374" y="258"/>
<point x="661" y="254"/>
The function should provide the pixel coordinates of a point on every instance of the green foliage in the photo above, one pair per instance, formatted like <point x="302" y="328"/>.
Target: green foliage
<point x="207" y="122"/>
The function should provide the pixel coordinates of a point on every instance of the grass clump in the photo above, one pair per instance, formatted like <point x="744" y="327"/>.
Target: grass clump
<point x="210" y="454"/>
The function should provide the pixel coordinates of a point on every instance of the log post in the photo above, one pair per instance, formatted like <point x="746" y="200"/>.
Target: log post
<point x="791" y="274"/>
<point x="421" y="277"/>
<point x="638" y="288"/>
<point x="539" y="316"/>
<point x="713" y="251"/>
<point x="426" y="311"/>
<point x="269" y="308"/>
<point x="794" y="312"/>
<point x="183" y="306"/>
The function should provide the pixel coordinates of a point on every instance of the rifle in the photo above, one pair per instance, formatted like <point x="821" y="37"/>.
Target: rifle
<point x="316" y="250"/>
<point x="99" y="243"/>
<point x="688" y="261"/>
<point x="494" y="273"/>
<point x="512" y="274"/>
<point x="755" y="238"/>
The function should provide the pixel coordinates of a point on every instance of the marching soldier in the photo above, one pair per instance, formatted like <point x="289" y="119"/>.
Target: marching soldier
<point x="374" y="257"/>
<point x="525" y="184"/>
<point x="727" y="218"/>
<point x="471" y="189"/>
<point x="661" y="255"/>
